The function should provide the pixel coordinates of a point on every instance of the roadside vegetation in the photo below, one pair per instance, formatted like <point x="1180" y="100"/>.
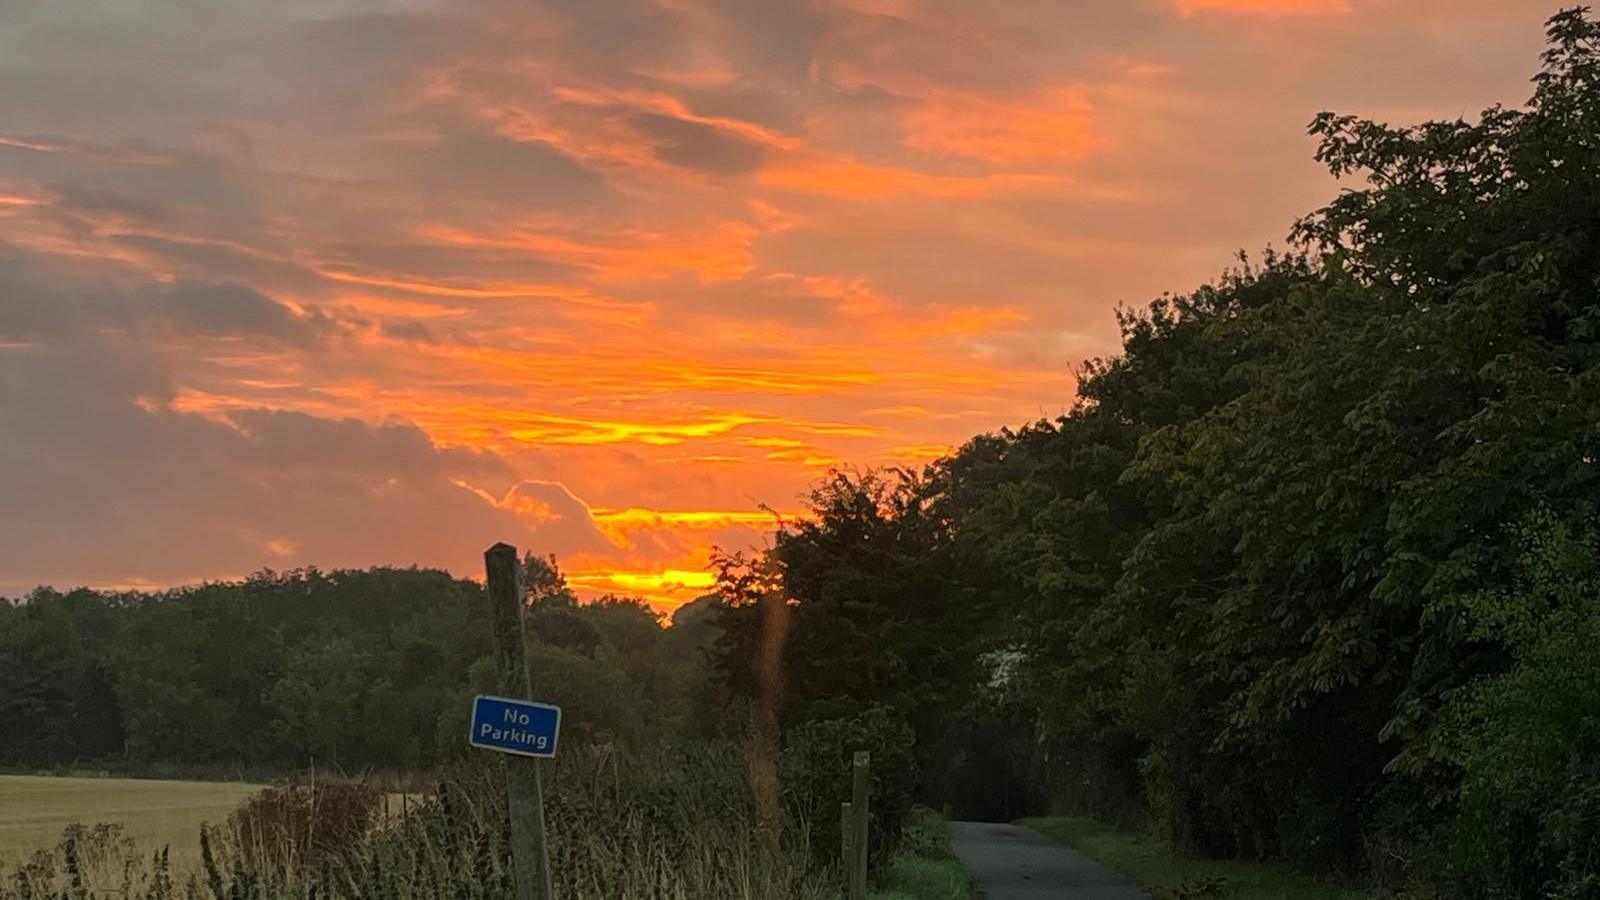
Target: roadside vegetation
<point x="1171" y="874"/>
<point x="922" y="867"/>
<point x="621" y="826"/>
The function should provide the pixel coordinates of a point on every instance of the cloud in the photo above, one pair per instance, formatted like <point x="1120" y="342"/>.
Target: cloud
<point x="1053" y="124"/>
<point x="234" y="310"/>
<point x="465" y="166"/>
<point x="358" y="281"/>
<point x="843" y="177"/>
<point x="108" y="481"/>
<point x="1265" y="7"/>
<point x="102" y="488"/>
<point x="695" y="145"/>
<point x="37" y="302"/>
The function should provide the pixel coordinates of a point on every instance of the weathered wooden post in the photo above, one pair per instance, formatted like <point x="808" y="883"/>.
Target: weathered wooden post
<point x="530" y="854"/>
<point x="847" y="862"/>
<point x="860" y="812"/>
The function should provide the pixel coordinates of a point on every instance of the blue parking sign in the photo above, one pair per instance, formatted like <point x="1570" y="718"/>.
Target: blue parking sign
<point x="515" y="726"/>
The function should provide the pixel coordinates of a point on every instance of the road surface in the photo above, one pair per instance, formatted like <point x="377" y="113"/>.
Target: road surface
<point x="1010" y="862"/>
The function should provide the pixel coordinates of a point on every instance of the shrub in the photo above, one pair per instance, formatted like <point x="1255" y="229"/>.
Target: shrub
<point x="300" y="822"/>
<point x="815" y="773"/>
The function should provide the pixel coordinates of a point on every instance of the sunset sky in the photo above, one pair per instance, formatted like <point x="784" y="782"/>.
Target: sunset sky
<point x="300" y="282"/>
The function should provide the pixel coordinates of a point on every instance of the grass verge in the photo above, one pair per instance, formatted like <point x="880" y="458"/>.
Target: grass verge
<point x="923" y="867"/>
<point x="1171" y="875"/>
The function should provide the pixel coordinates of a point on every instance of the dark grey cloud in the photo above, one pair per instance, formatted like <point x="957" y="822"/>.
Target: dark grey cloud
<point x="234" y="310"/>
<point x="759" y="103"/>
<point x="100" y="199"/>
<point x="435" y="260"/>
<point x="40" y="302"/>
<point x="468" y="165"/>
<point x="777" y="38"/>
<point x="211" y="259"/>
<point x="409" y="330"/>
<point x="695" y="145"/>
<point x="292" y="442"/>
<point x="642" y="35"/>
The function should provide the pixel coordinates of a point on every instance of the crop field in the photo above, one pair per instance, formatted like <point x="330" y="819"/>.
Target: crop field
<point x="34" y="809"/>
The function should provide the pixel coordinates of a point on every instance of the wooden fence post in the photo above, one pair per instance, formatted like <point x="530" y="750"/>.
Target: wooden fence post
<point x="860" y="813"/>
<point x="847" y="861"/>
<point x="530" y="853"/>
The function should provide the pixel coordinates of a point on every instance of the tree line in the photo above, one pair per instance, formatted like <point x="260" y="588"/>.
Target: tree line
<point x="352" y="670"/>
<point x="1309" y="572"/>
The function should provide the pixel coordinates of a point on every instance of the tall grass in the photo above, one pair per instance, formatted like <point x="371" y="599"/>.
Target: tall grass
<point x="922" y="866"/>
<point x="622" y="828"/>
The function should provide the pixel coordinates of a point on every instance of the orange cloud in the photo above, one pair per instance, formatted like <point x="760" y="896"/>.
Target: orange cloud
<point x="918" y="453"/>
<point x="623" y="525"/>
<point x="280" y="547"/>
<point x="849" y="178"/>
<point x="721" y="255"/>
<point x="902" y="411"/>
<point x="474" y="290"/>
<point x="804" y="456"/>
<point x="668" y="105"/>
<point x="1057" y="124"/>
<point x="964" y="322"/>
<point x="1265" y="7"/>
<point x="612" y="372"/>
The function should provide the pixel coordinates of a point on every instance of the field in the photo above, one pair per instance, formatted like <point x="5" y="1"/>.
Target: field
<point x="35" y="808"/>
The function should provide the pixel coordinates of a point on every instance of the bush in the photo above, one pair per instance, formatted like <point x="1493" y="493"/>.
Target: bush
<point x="295" y="822"/>
<point x="815" y="773"/>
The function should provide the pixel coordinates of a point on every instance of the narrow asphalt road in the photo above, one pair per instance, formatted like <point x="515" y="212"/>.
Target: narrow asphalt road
<point x="1010" y="862"/>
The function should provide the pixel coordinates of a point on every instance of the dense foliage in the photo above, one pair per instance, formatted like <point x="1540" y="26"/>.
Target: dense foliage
<point x="1307" y="572"/>
<point x="348" y="669"/>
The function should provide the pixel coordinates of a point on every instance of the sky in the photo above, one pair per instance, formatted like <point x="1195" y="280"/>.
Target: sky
<point x="354" y="282"/>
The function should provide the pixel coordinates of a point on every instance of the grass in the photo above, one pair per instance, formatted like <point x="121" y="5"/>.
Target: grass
<point x="923" y="868"/>
<point x="36" y="809"/>
<point x="1167" y="873"/>
<point x="622" y="826"/>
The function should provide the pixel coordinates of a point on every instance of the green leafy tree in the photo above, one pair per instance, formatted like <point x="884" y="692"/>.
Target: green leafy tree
<point x="1529" y="824"/>
<point x="319" y="700"/>
<point x="57" y="701"/>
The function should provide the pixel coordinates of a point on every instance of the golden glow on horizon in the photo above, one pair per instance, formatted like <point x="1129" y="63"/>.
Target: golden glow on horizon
<point x="665" y="589"/>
